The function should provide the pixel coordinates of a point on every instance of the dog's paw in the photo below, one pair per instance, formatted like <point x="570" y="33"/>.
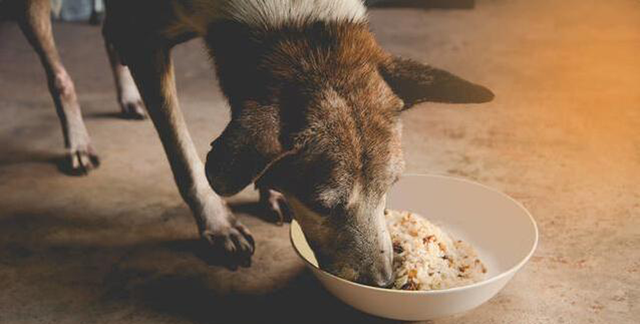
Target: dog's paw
<point x="133" y="108"/>
<point x="81" y="159"/>
<point x="276" y="205"/>
<point x="230" y="243"/>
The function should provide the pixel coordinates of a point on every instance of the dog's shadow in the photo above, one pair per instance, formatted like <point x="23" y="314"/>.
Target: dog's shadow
<point x="19" y="152"/>
<point x="115" y="115"/>
<point x="299" y="300"/>
<point x="15" y="155"/>
<point x="80" y="256"/>
<point x="22" y="156"/>
<point x="275" y="291"/>
<point x="246" y="296"/>
<point x="202" y="294"/>
<point x="161" y="277"/>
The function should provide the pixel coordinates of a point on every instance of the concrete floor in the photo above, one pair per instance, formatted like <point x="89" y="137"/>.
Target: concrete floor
<point x="119" y="246"/>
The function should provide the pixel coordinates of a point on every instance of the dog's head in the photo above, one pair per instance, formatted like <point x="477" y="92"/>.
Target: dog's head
<point x="328" y="138"/>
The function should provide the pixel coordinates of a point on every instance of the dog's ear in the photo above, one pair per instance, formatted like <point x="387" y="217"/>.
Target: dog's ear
<point x="271" y="176"/>
<point x="249" y="143"/>
<point x="414" y="83"/>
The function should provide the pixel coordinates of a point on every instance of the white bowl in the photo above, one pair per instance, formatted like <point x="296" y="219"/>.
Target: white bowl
<point x="502" y="231"/>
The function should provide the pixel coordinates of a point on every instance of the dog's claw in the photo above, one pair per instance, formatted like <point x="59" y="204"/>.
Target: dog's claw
<point x="82" y="160"/>
<point x="276" y="205"/>
<point x="231" y="242"/>
<point x="247" y="235"/>
<point x="133" y="109"/>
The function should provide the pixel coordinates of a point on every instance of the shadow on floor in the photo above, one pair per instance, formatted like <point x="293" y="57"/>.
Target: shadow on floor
<point x="96" y="262"/>
<point x="80" y="256"/>
<point x="105" y="115"/>
<point x="14" y="155"/>
<point x="301" y="299"/>
<point x="114" y="115"/>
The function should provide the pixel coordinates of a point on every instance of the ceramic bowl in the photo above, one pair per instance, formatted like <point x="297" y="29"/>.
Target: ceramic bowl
<point x="502" y="231"/>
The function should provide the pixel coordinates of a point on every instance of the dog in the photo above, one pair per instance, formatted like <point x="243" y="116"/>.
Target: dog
<point x="315" y="115"/>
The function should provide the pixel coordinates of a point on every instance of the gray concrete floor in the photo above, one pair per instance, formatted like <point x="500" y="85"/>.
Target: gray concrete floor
<point x="118" y="246"/>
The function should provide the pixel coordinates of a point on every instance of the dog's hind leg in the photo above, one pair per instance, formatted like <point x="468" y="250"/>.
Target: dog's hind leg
<point x="153" y="73"/>
<point x="129" y="98"/>
<point x="35" y="21"/>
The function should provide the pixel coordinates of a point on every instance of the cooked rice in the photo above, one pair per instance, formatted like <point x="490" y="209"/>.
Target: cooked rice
<point x="427" y="258"/>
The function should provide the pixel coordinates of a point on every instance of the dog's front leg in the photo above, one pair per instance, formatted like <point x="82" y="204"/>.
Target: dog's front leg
<point x="153" y="72"/>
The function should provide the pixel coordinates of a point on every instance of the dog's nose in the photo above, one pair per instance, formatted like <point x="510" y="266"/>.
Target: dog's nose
<point x="384" y="279"/>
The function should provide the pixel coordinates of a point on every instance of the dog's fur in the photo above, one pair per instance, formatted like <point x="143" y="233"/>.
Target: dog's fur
<point x="315" y="115"/>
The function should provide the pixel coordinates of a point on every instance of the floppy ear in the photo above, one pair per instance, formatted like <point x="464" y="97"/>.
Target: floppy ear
<point x="244" y="149"/>
<point x="271" y="175"/>
<point x="414" y="83"/>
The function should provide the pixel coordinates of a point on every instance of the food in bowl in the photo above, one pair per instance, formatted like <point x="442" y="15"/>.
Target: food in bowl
<point x="427" y="258"/>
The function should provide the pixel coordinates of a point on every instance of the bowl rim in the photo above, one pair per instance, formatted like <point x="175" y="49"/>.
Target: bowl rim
<point x="509" y="272"/>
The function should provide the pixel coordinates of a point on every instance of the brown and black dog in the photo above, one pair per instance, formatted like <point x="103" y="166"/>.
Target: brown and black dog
<point x="315" y="114"/>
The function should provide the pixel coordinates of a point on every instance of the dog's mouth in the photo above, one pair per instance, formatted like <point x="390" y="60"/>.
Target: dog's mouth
<point x="382" y="278"/>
